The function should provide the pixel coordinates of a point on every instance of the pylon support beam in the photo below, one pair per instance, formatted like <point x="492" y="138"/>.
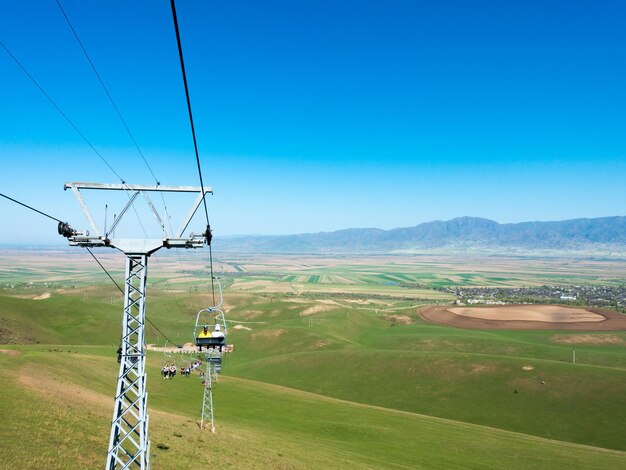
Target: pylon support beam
<point x="128" y="443"/>
<point x="168" y="241"/>
<point x="207" y="397"/>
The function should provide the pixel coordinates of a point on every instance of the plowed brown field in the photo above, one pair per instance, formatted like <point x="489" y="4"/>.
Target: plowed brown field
<point x="526" y="317"/>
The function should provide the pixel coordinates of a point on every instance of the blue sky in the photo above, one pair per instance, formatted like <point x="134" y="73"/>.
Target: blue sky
<point x="318" y="116"/>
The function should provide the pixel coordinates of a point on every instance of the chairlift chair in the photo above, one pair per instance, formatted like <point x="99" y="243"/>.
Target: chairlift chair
<point x="208" y="331"/>
<point x="185" y="359"/>
<point x="184" y="363"/>
<point x="210" y="327"/>
<point x="168" y="357"/>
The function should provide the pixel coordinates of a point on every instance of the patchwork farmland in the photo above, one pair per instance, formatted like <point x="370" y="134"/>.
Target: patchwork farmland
<point x="334" y="364"/>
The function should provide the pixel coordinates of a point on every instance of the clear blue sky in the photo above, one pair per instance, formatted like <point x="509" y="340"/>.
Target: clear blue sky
<point x="318" y="116"/>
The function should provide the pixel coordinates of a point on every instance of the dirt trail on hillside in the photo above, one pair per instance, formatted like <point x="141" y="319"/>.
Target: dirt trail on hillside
<point x="588" y="339"/>
<point x="317" y="309"/>
<point x="36" y="379"/>
<point x="10" y="352"/>
<point x="58" y="389"/>
<point x="499" y="318"/>
<point x="187" y="348"/>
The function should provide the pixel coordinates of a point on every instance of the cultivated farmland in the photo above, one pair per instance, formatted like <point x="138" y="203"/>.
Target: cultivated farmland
<point x="339" y="370"/>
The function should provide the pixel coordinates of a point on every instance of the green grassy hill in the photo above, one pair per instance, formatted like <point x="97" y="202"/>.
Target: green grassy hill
<point x="313" y="385"/>
<point x="477" y="377"/>
<point x="59" y="320"/>
<point x="59" y="404"/>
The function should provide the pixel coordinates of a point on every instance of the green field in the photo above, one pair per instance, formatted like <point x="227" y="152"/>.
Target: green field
<point x="325" y="382"/>
<point x="391" y="276"/>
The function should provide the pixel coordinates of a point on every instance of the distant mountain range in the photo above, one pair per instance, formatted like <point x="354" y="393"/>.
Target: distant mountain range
<point x="460" y="233"/>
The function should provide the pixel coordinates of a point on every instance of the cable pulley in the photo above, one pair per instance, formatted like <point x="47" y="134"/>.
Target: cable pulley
<point x="66" y="230"/>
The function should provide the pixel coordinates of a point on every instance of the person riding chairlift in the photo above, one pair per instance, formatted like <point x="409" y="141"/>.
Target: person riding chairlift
<point x="217" y="333"/>
<point x="205" y="333"/>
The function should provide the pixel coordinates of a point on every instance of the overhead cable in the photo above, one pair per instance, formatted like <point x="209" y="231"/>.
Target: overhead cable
<point x="195" y="143"/>
<point x="122" y="291"/>
<point x="104" y="269"/>
<point x="193" y="130"/>
<point x="90" y="252"/>
<point x="69" y="121"/>
<point x="31" y="208"/>
<point x="159" y="330"/>
<point x="66" y="118"/>
<point x="119" y="114"/>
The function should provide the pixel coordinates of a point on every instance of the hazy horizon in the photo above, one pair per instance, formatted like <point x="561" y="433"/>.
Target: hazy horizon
<point x="319" y="116"/>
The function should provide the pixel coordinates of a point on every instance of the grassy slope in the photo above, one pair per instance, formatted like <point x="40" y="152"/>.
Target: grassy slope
<point x="259" y="425"/>
<point x="420" y="368"/>
<point x="60" y="320"/>
<point x="582" y="405"/>
<point x="470" y="376"/>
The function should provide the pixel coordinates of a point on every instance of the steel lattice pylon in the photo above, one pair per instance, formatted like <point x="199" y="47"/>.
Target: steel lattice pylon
<point x="129" y="441"/>
<point x="215" y="345"/>
<point x="207" y="398"/>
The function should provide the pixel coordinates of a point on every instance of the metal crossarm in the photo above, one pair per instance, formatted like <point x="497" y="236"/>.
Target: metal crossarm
<point x="176" y="240"/>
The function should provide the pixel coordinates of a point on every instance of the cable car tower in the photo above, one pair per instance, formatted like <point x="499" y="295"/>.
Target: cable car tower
<point x="210" y="332"/>
<point x="129" y="445"/>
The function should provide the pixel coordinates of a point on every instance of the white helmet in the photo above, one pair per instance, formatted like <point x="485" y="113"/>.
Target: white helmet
<point x="217" y="327"/>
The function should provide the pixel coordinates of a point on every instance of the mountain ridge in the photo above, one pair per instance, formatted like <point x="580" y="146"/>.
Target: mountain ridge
<point x="466" y="231"/>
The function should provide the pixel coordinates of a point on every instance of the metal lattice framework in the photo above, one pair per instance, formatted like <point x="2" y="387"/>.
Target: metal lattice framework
<point x="129" y="429"/>
<point x="213" y="362"/>
<point x="207" y="397"/>
<point x="213" y="355"/>
<point x="129" y="445"/>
